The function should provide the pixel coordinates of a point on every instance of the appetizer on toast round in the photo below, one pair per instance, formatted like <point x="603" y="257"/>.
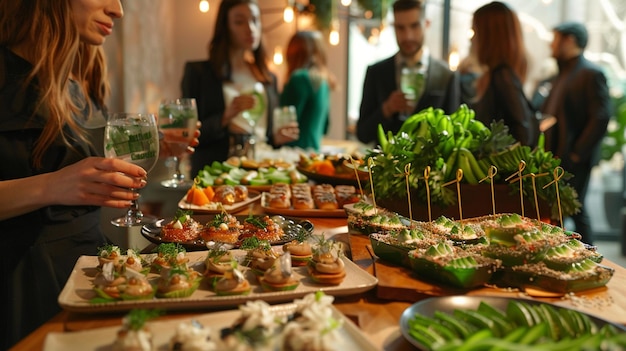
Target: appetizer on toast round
<point x="182" y="228"/>
<point x="224" y="228"/>
<point x="219" y="260"/>
<point x="326" y="266"/>
<point x="232" y="283"/>
<point x="279" y="277"/>
<point x="168" y="255"/>
<point x="192" y="335"/>
<point x="260" y="255"/>
<point x="300" y="249"/>
<point x="177" y="281"/>
<point x="126" y="284"/>
<point x="135" y="334"/>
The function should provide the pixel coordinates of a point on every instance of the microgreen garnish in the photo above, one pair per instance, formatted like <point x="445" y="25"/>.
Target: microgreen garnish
<point x="256" y="221"/>
<point x="182" y="215"/>
<point x="252" y="242"/>
<point x="137" y="318"/>
<point x="216" y="252"/>
<point x="108" y="249"/>
<point x="219" y="219"/>
<point x="301" y="235"/>
<point x="319" y="294"/>
<point x="180" y="270"/>
<point x="327" y="246"/>
<point x="169" y="249"/>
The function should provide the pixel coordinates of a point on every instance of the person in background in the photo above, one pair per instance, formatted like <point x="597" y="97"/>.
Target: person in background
<point x="469" y="70"/>
<point x="578" y="96"/>
<point x="237" y="59"/>
<point x="498" y="44"/>
<point x="308" y="88"/>
<point x="54" y="180"/>
<point x="383" y="101"/>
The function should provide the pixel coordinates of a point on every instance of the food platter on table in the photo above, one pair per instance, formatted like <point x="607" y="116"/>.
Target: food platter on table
<point x="247" y="163"/>
<point x="349" y="336"/>
<point x="340" y="212"/>
<point x="556" y="317"/>
<point x="304" y="200"/>
<point x="78" y="292"/>
<point x="218" y="207"/>
<point x="290" y="226"/>
<point x="348" y="178"/>
<point x="332" y="169"/>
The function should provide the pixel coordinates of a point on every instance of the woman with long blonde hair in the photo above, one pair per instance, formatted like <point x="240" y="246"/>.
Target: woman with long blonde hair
<point x="498" y="44"/>
<point x="53" y="85"/>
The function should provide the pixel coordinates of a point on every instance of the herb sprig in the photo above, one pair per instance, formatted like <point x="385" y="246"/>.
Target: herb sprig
<point x="136" y="319"/>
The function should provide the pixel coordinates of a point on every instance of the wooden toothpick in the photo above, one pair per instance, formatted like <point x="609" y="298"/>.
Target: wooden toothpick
<point x="370" y="164"/>
<point x="533" y="176"/>
<point x="426" y="176"/>
<point x="557" y="174"/>
<point x="356" y="174"/>
<point x="407" y="172"/>
<point x="459" y="177"/>
<point x="520" y="168"/>
<point x="493" y="170"/>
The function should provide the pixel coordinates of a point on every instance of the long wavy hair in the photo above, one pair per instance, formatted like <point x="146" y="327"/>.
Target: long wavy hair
<point x="498" y="41"/>
<point x="49" y="40"/>
<point x="219" y="47"/>
<point x="306" y="50"/>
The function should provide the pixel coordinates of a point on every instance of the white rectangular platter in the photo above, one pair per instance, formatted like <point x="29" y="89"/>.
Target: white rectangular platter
<point x="350" y="337"/>
<point x="78" y="290"/>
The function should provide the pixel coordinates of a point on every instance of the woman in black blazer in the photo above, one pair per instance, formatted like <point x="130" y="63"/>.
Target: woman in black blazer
<point x="236" y="56"/>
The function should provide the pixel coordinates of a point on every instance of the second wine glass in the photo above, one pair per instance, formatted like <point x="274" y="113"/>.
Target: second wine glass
<point x="254" y="114"/>
<point x="177" y="121"/>
<point x="132" y="137"/>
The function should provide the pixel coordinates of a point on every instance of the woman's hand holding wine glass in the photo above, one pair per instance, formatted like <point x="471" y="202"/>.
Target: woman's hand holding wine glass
<point x="132" y="137"/>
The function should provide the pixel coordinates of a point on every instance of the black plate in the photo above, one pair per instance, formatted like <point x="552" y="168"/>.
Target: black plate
<point x="448" y="304"/>
<point x="291" y="227"/>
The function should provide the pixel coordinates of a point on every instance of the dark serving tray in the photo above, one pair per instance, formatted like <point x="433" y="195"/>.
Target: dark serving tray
<point x="291" y="227"/>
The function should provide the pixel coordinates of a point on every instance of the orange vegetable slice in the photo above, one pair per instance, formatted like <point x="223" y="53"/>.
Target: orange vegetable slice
<point x="209" y="192"/>
<point x="324" y="167"/>
<point x="196" y="196"/>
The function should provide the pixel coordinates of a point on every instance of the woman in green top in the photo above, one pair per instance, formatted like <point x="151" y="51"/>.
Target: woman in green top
<point x="308" y="88"/>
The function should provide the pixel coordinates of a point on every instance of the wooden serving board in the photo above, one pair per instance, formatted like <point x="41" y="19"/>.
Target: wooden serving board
<point x="401" y="284"/>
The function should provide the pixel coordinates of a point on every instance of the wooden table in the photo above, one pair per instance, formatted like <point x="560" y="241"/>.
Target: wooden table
<point x="377" y="317"/>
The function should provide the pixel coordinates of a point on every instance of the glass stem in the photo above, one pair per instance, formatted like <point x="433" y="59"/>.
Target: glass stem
<point x="134" y="214"/>
<point x="177" y="174"/>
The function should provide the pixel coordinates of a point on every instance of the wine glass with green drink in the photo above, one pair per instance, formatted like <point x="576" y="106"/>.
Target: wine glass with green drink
<point x="177" y="121"/>
<point x="132" y="137"/>
<point x="412" y="85"/>
<point x="254" y="114"/>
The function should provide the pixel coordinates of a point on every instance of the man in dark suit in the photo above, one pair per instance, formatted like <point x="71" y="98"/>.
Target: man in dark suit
<point x="579" y="99"/>
<point x="383" y="101"/>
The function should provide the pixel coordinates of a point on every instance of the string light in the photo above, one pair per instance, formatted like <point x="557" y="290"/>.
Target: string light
<point x="346" y="3"/>
<point x="278" y="56"/>
<point x="454" y="59"/>
<point x="288" y="14"/>
<point x="333" y="37"/>
<point x="204" y="6"/>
